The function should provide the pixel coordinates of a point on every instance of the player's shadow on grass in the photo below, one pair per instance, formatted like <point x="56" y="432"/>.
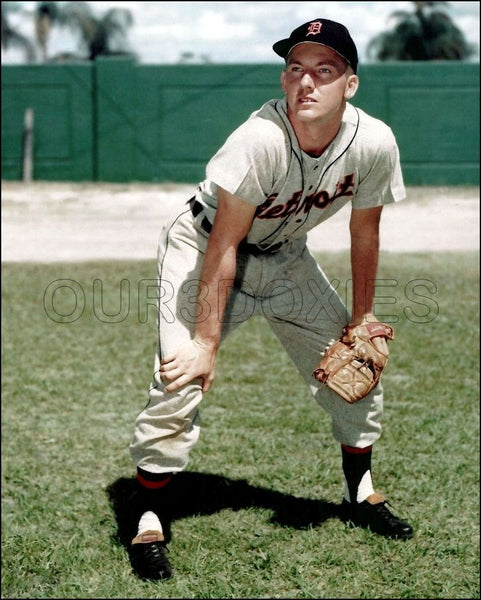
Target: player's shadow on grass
<point x="192" y="493"/>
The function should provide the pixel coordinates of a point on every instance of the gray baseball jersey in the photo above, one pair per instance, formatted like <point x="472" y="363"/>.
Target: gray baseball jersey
<point x="262" y="163"/>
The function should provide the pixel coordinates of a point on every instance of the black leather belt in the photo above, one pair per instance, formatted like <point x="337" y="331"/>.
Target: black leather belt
<point x="254" y="249"/>
<point x="196" y="208"/>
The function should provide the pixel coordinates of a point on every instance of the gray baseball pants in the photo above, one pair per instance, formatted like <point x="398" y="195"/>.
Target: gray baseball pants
<point x="290" y="290"/>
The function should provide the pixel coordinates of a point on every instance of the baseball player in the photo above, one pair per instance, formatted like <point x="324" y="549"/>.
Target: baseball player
<point x="238" y="249"/>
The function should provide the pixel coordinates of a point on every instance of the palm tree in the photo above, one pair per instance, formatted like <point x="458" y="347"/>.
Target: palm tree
<point x="426" y="34"/>
<point x="193" y="58"/>
<point x="102" y="35"/>
<point x="11" y="38"/>
<point x="46" y="14"/>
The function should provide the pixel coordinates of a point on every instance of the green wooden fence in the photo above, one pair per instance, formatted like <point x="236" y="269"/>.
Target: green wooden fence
<point x="115" y="120"/>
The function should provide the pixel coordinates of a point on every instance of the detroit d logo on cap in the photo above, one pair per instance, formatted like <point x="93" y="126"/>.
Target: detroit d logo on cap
<point x="314" y="28"/>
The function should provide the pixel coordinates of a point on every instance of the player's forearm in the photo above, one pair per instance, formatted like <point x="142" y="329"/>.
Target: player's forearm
<point x="364" y="263"/>
<point x="217" y="277"/>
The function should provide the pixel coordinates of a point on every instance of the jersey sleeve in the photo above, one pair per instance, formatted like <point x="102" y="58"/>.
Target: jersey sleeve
<point x="382" y="182"/>
<point x="247" y="163"/>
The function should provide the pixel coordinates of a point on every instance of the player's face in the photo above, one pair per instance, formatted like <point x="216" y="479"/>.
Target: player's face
<point x="316" y="82"/>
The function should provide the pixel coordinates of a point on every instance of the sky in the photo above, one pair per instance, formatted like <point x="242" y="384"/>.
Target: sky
<point x="239" y="32"/>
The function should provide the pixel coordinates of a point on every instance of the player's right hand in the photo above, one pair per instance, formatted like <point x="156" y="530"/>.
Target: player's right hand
<point x="193" y="359"/>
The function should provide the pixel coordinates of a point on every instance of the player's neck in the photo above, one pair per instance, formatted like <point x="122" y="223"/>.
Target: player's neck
<point x="313" y="141"/>
<point x="313" y="137"/>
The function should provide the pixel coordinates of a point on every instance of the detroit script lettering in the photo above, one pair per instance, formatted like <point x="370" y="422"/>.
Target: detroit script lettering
<point x="294" y="206"/>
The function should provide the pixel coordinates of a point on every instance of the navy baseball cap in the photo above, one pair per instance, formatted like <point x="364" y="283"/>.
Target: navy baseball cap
<point x="321" y="31"/>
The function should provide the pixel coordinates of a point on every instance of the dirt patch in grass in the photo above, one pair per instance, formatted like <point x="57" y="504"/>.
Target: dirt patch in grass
<point x="50" y="221"/>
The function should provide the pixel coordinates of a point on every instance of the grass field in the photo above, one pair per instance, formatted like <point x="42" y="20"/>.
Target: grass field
<point x="253" y="507"/>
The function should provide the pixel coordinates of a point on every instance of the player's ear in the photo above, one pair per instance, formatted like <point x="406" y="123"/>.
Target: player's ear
<point x="352" y="83"/>
<point x="283" y="80"/>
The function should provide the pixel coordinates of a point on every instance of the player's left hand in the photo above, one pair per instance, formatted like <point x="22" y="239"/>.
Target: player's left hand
<point x="193" y="359"/>
<point x="352" y="366"/>
<point x="379" y="342"/>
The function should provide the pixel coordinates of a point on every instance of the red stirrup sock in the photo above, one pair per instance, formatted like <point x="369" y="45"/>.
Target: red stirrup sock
<point x="153" y="490"/>
<point x="356" y="464"/>
<point x="152" y="481"/>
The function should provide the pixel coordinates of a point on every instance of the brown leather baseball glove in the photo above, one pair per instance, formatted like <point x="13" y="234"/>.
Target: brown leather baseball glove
<point x="352" y="365"/>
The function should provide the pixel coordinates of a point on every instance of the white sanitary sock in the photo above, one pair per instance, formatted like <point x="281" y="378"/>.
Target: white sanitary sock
<point x="149" y="521"/>
<point x="364" y="490"/>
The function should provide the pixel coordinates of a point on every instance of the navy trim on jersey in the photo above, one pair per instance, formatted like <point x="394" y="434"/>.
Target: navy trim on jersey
<point x="286" y="220"/>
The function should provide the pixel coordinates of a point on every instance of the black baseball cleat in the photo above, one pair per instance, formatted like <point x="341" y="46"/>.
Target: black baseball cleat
<point x="373" y="514"/>
<point x="148" y="556"/>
